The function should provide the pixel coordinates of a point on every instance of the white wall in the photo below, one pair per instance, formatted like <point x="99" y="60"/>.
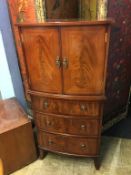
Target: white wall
<point x="6" y="86"/>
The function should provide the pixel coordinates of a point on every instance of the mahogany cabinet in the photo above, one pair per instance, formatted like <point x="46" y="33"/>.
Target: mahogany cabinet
<point x="66" y="66"/>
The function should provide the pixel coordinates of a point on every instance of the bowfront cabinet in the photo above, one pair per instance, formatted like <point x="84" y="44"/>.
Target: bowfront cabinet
<point x="66" y="67"/>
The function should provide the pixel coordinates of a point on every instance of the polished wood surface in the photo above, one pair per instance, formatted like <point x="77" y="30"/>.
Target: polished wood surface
<point x="66" y="64"/>
<point x="74" y="107"/>
<point x="11" y="115"/>
<point x="41" y="53"/>
<point x="68" y="125"/>
<point x="84" y="49"/>
<point x="90" y="98"/>
<point x="68" y="22"/>
<point x="17" y="147"/>
<point x="68" y="144"/>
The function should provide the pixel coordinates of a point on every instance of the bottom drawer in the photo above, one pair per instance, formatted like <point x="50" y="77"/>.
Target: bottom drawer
<point x="68" y="144"/>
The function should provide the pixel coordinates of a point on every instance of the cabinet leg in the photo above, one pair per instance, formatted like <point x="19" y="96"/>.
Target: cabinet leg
<point x="42" y="153"/>
<point x="97" y="163"/>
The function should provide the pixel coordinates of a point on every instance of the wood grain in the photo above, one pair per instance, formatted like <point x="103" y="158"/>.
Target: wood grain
<point x="67" y="125"/>
<point x="56" y="106"/>
<point x="68" y="144"/>
<point x="67" y="100"/>
<point x="21" y="11"/>
<point x="41" y="48"/>
<point x="17" y="147"/>
<point x="85" y="50"/>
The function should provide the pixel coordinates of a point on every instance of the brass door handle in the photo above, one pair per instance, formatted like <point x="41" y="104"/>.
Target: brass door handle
<point x="65" y="63"/>
<point x="58" y="62"/>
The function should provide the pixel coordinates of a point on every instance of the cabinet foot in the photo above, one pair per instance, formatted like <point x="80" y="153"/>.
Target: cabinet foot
<point x="42" y="153"/>
<point x="97" y="163"/>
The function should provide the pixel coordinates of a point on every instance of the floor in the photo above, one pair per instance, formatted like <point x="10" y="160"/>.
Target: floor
<point x="121" y="129"/>
<point x="115" y="160"/>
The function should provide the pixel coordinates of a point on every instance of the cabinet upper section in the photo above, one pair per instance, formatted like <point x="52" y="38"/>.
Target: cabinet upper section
<point x="70" y="59"/>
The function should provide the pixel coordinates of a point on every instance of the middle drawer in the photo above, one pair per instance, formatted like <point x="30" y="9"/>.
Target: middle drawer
<point x="67" y="125"/>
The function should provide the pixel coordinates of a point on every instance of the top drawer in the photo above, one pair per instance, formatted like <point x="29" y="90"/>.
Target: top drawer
<point x="68" y="107"/>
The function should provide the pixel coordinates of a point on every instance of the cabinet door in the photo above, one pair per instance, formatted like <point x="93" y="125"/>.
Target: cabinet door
<point x="41" y="47"/>
<point x="84" y="59"/>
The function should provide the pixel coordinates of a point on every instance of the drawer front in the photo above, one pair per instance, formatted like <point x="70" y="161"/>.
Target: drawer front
<point x="68" y="144"/>
<point x="68" y="125"/>
<point x="69" y="107"/>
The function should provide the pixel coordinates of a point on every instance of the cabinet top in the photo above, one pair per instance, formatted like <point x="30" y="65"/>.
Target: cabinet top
<point x="71" y="22"/>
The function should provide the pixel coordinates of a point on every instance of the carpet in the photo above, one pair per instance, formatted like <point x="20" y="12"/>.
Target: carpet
<point x="115" y="160"/>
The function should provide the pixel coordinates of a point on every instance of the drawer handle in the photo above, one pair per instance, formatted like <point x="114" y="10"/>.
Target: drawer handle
<point x="83" y="146"/>
<point x="46" y="104"/>
<point x="58" y="62"/>
<point x="50" y="142"/>
<point x="49" y="123"/>
<point x="65" y="63"/>
<point x="83" y="126"/>
<point x="83" y="107"/>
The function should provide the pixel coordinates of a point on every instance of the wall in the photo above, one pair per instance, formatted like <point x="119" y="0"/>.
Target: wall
<point x="6" y="85"/>
<point x="10" y="52"/>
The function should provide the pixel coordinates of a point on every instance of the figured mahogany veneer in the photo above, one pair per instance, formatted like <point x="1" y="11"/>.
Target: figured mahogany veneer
<point x="69" y="107"/>
<point x="68" y="144"/>
<point x="68" y="124"/>
<point x="66" y="64"/>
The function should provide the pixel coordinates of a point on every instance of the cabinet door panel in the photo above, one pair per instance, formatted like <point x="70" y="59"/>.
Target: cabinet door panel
<point x="41" y="47"/>
<point x="84" y="52"/>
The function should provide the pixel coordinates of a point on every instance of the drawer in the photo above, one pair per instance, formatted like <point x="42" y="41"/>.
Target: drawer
<point x="68" y="144"/>
<point x="69" y="107"/>
<point x="68" y="125"/>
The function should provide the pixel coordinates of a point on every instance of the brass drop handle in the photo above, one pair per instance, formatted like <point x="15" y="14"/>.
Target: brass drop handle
<point x="58" y="62"/>
<point x="65" y="63"/>
<point x="83" y="146"/>
<point x="83" y="107"/>
<point x="49" y="123"/>
<point x="46" y="104"/>
<point x="50" y="142"/>
<point x="83" y="126"/>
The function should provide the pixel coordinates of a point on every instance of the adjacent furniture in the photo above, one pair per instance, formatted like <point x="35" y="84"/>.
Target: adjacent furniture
<point x="17" y="148"/>
<point x="119" y="64"/>
<point x="66" y="64"/>
<point x="1" y="168"/>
